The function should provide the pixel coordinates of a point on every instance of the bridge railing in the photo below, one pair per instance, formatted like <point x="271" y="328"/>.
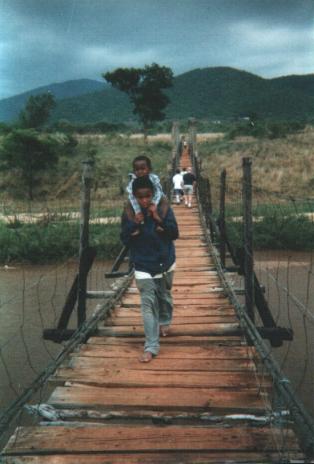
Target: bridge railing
<point x="47" y="310"/>
<point x="227" y="215"/>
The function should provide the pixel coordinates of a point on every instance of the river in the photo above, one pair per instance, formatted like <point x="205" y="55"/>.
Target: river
<point x="289" y="289"/>
<point x="32" y="298"/>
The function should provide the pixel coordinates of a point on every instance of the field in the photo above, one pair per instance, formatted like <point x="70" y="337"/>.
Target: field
<point x="47" y="228"/>
<point x="283" y="165"/>
<point x="283" y="181"/>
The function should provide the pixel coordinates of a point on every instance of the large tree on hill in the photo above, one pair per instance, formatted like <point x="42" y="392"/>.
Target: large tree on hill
<point x="144" y="86"/>
<point x="37" y="111"/>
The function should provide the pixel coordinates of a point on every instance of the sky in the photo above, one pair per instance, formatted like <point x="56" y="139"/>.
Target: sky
<point x="47" y="41"/>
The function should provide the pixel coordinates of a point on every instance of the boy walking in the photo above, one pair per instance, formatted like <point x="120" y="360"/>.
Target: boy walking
<point x="149" y="235"/>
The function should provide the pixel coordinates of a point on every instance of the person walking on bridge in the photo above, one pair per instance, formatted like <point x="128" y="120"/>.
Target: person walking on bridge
<point x="150" y="236"/>
<point x="189" y="182"/>
<point x="177" y="181"/>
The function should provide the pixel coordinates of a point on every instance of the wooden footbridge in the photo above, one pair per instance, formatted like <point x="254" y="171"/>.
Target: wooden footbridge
<point x="202" y="400"/>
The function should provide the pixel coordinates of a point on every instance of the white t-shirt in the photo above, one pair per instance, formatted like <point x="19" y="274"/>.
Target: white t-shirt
<point x="177" y="181"/>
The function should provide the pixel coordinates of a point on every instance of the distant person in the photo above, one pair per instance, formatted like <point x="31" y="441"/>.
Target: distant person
<point x="189" y="182"/>
<point x="177" y="181"/>
<point x="142" y="166"/>
<point x="150" y="235"/>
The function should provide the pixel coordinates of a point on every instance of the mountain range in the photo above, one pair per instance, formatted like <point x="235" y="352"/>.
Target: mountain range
<point x="218" y="93"/>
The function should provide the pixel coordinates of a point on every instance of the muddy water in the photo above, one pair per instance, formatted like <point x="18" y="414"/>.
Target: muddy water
<point x="31" y="299"/>
<point x="289" y="281"/>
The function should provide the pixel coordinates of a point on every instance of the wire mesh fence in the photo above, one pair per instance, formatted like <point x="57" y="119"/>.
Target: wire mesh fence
<point x="40" y="243"/>
<point x="283" y="247"/>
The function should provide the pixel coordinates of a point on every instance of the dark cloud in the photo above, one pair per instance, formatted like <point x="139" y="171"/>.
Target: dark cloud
<point x="44" y="41"/>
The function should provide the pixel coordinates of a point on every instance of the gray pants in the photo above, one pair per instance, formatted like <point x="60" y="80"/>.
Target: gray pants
<point x="156" y="307"/>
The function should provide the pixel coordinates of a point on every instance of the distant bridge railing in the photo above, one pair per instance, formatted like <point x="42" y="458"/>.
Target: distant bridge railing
<point x="229" y="222"/>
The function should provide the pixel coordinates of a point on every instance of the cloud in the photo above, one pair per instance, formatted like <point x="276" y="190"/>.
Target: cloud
<point x="46" y="41"/>
<point x="262" y="36"/>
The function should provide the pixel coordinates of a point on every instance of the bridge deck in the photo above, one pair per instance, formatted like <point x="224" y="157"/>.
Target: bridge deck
<point x="176" y="409"/>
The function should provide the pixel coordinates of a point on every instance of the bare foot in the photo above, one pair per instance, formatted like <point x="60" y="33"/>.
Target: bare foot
<point x="146" y="357"/>
<point x="164" y="329"/>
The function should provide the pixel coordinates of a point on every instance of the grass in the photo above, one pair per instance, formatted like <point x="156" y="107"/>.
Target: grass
<point x="274" y="232"/>
<point x="46" y="230"/>
<point x="275" y="208"/>
<point x="53" y="242"/>
<point x="284" y="166"/>
<point x="60" y="188"/>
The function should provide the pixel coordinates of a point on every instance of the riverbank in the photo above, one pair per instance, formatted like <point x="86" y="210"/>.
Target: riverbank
<point x="54" y="242"/>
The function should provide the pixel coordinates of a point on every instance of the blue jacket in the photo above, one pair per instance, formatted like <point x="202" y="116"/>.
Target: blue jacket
<point x="151" y="251"/>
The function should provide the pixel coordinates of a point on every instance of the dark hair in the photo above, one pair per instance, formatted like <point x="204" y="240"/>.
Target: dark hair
<point x="143" y="158"/>
<point x="178" y="171"/>
<point x="142" y="182"/>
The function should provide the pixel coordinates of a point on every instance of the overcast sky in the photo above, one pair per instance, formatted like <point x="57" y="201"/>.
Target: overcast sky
<point x="46" y="41"/>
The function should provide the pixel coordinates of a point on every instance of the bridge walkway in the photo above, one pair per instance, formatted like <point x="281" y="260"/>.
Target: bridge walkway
<point x="199" y="401"/>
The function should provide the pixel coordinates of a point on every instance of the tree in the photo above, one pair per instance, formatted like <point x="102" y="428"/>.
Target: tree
<point x="26" y="155"/>
<point x="144" y="87"/>
<point x="37" y="111"/>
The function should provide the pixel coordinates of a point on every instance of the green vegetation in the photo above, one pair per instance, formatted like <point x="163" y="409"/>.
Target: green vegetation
<point x="46" y="229"/>
<point x="218" y="95"/>
<point x="26" y="155"/>
<point x="277" y="232"/>
<point x="265" y="129"/>
<point x="144" y="87"/>
<point x="54" y="242"/>
<point x="37" y="111"/>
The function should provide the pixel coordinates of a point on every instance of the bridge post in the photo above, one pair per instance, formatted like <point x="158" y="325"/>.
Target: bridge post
<point x="248" y="237"/>
<point x="87" y="176"/>
<point x="222" y="223"/>
<point x="176" y="149"/>
<point x="192" y="141"/>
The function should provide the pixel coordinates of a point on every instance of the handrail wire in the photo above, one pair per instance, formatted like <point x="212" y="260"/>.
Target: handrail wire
<point x="303" y="420"/>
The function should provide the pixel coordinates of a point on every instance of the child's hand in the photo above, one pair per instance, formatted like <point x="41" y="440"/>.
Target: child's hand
<point x="152" y="209"/>
<point x="139" y="218"/>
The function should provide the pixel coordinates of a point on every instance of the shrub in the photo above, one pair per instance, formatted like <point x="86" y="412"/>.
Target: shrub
<point x="277" y="232"/>
<point x="53" y="242"/>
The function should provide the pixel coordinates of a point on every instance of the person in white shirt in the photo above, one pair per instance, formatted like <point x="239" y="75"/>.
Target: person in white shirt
<point x="177" y="181"/>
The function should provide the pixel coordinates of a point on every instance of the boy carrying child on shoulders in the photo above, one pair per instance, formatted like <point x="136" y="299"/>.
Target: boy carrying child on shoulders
<point x="149" y="234"/>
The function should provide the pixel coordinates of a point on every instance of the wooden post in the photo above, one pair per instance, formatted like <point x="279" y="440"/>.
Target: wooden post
<point x="222" y="223"/>
<point x="248" y="237"/>
<point x="176" y="147"/>
<point x="84" y="239"/>
<point x="192" y="140"/>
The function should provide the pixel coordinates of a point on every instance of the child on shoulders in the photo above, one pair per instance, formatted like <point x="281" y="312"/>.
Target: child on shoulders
<point x="142" y="166"/>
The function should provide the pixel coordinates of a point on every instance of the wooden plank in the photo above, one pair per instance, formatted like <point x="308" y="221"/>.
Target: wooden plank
<point x="196" y="299"/>
<point x="204" y="399"/>
<point x="179" y="312"/>
<point x="177" y="320"/>
<point x="171" y="352"/>
<point x="182" y="291"/>
<point x="188" y="457"/>
<point x="225" y="340"/>
<point x="148" y="438"/>
<point x="175" y="329"/>
<point x="189" y="365"/>
<point x="149" y="378"/>
<point x="198" y="261"/>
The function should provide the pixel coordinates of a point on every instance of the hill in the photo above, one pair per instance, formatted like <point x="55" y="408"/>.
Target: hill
<point x="222" y="93"/>
<point x="209" y="93"/>
<point x="11" y="107"/>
